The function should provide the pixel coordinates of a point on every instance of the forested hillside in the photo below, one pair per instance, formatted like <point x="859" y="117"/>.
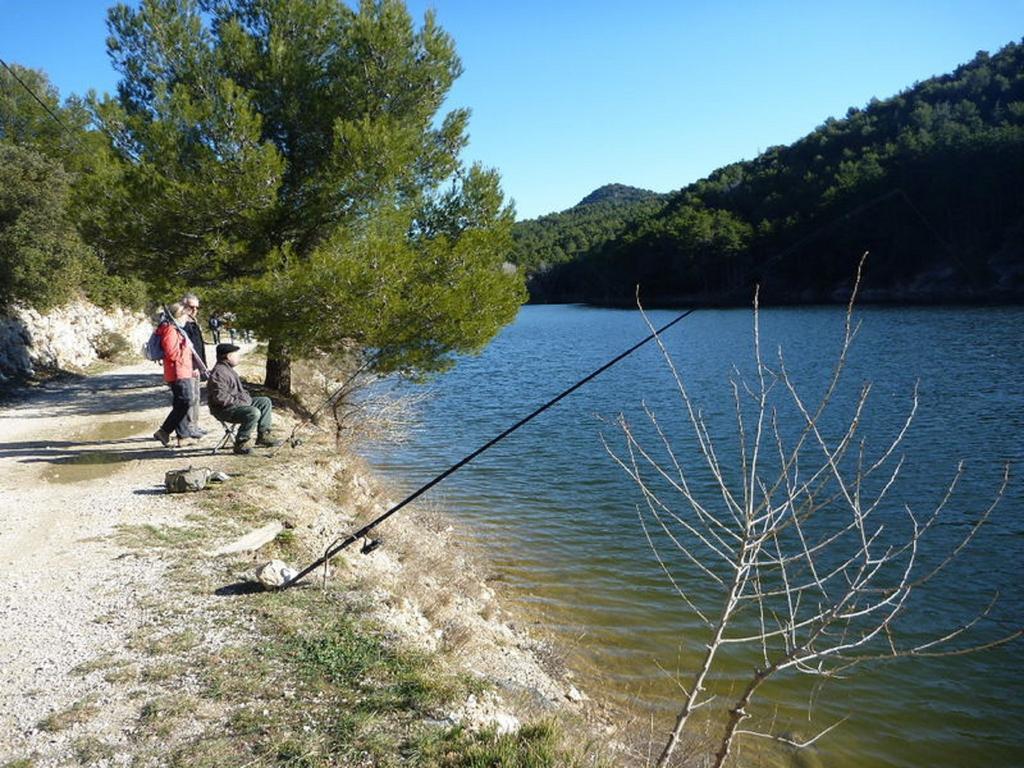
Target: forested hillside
<point x="550" y="240"/>
<point x="930" y="181"/>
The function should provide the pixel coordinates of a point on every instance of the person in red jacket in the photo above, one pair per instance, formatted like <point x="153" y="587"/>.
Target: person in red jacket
<point x="178" y="371"/>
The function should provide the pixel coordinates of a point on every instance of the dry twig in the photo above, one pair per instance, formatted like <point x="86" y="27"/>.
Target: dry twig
<point x="800" y="537"/>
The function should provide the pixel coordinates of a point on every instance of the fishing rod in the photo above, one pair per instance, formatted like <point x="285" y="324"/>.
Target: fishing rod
<point x="339" y="544"/>
<point x="342" y="543"/>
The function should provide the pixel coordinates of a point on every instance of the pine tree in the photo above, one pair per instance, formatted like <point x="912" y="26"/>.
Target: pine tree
<point x="290" y="154"/>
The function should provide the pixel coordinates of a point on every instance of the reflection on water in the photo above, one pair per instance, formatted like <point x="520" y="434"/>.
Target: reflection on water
<point x="112" y="430"/>
<point x="558" y="518"/>
<point x="81" y="464"/>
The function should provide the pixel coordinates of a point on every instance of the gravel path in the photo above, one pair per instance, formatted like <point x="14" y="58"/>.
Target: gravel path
<point x="82" y="599"/>
<point x="77" y="460"/>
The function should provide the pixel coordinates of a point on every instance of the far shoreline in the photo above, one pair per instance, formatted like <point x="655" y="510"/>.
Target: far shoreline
<point x="863" y="300"/>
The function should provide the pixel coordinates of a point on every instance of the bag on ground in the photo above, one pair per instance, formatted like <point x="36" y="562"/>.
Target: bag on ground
<point x="187" y="480"/>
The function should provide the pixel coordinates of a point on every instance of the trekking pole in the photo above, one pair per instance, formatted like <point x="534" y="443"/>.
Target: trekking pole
<point x="339" y="544"/>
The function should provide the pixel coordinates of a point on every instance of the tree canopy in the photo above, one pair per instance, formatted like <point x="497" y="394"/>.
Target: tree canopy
<point x="49" y="168"/>
<point x="42" y="258"/>
<point x="291" y="157"/>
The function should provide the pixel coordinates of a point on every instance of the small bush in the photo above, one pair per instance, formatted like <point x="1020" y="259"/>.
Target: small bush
<point x="111" y="291"/>
<point x="113" y="346"/>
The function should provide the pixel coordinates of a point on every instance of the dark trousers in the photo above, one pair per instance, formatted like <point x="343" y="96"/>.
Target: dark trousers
<point x="247" y="416"/>
<point x="181" y="391"/>
<point x="190" y="422"/>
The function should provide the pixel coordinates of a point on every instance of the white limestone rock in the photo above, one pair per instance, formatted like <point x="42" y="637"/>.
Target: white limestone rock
<point x="275" y="574"/>
<point x="251" y="541"/>
<point x="67" y="337"/>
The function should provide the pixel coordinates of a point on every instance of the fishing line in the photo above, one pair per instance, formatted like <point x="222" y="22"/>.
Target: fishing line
<point x="342" y="543"/>
<point x="897" y="192"/>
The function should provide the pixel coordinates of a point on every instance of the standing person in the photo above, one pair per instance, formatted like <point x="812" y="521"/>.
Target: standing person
<point x="215" y="322"/>
<point x="227" y="320"/>
<point x="189" y="426"/>
<point x="178" y="371"/>
<point x="230" y="402"/>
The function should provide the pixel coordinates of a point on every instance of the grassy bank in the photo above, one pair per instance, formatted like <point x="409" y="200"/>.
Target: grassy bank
<point x="320" y="675"/>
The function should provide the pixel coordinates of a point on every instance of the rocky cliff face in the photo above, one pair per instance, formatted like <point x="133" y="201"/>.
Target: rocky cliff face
<point x="71" y="337"/>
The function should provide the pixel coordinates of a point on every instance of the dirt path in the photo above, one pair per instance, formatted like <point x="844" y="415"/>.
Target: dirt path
<point x="77" y="461"/>
<point x="117" y="648"/>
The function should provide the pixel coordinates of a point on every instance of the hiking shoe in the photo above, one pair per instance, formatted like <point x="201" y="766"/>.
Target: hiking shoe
<point x="266" y="441"/>
<point x="163" y="437"/>
<point x="241" y="449"/>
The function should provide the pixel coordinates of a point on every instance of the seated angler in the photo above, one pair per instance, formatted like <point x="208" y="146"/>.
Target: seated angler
<point x="230" y="402"/>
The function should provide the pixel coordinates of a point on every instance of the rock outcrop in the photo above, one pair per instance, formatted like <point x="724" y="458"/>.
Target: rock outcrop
<point x="71" y="337"/>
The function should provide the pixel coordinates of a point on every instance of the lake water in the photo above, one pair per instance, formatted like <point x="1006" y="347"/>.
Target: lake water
<point x="558" y="519"/>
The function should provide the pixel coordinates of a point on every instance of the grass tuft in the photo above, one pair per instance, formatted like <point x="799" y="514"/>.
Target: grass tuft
<point x="90" y="750"/>
<point x="174" y="643"/>
<point x="148" y="536"/>
<point x="532" y="746"/>
<point x="79" y="712"/>
<point x="105" y="661"/>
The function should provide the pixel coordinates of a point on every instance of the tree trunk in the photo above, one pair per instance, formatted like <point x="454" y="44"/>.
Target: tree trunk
<point x="738" y="714"/>
<point x="692" y="698"/>
<point x="279" y="368"/>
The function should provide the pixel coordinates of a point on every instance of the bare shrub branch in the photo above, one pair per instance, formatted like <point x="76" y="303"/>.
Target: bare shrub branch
<point x="351" y="401"/>
<point x="801" y="558"/>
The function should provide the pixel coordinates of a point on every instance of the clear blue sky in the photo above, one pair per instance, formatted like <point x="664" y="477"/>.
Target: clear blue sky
<point x="568" y="95"/>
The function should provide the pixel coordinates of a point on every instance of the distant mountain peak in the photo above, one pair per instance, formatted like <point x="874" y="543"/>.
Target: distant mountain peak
<point x="617" y="193"/>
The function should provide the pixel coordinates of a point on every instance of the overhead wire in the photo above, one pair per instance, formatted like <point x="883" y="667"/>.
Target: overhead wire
<point x="38" y="100"/>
